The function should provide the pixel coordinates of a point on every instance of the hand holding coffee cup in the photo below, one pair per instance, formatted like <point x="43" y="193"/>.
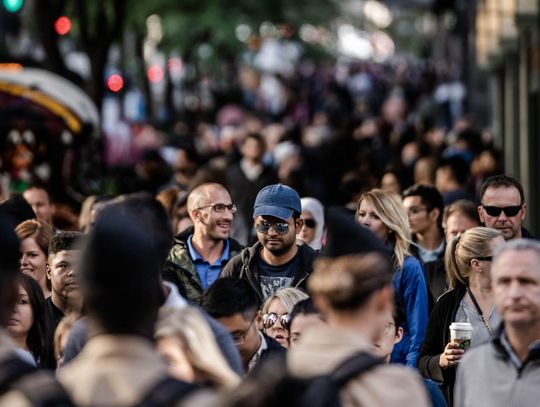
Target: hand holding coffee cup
<point x="451" y="355"/>
<point x="460" y="340"/>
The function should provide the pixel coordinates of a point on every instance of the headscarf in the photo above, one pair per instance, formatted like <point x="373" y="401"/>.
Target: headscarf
<point x="316" y="209"/>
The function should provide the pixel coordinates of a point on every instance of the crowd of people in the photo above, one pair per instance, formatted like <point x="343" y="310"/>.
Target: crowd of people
<point x="323" y="305"/>
<point x="282" y="256"/>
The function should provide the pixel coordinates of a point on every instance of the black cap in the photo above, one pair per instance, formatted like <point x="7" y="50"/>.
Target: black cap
<point x="344" y="236"/>
<point x="18" y="208"/>
<point x="9" y="244"/>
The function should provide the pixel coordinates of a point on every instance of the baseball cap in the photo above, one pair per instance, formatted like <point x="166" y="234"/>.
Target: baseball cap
<point x="279" y="201"/>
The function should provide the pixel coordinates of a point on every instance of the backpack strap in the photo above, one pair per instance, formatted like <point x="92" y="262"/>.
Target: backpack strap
<point x="354" y="366"/>
<point x="39" y="387"/>
<point x="167" y="392"/>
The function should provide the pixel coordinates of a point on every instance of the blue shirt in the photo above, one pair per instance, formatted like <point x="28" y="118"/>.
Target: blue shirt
<point x="208" y="273"/>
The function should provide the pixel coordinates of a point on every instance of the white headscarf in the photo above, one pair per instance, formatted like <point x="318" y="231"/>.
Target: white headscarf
<point x="316" y="208"/>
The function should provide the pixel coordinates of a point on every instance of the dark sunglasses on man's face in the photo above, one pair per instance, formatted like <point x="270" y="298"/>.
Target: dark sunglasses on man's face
<point x="282" y="228"/>
<point x="269" y="320"/>
<point x="496" y="210"/>
<point x="310" y="223"/>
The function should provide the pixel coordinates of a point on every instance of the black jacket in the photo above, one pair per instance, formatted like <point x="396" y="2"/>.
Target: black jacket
<point x="435" y="273"/>
<point x="438" y="336"/>
<point x="245" y="266"/>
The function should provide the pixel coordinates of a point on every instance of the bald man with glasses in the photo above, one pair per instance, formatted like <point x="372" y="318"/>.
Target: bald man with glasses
<point x="201" y="252"/>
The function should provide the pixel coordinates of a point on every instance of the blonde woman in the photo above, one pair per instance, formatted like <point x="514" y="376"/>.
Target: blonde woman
<point x="187" y="343"/>
<point x="468" y="264"/>
<point x="384" y="214"/>
<point x="276" y="312"/>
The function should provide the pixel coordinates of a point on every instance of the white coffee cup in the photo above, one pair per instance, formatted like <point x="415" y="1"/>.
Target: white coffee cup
<point x="461" y="333"/>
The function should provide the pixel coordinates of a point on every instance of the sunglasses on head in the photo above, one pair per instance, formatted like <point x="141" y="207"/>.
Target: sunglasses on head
<point x="282" y="228"/>
<point x="310" y="223"/>
<point x="269" y="320"/>
<point x="496" y="210"/>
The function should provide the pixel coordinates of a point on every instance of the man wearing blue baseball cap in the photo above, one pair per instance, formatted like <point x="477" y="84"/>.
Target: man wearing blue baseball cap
<point x="275" y="261"/>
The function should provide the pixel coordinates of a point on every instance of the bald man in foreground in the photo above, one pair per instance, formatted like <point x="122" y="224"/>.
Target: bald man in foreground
<point x="200" y="253"/>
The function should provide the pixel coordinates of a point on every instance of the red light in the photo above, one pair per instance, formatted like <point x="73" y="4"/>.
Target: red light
<point x="62" y="25"/>
<point x="155" y="73"/>
<point x="115" y="83"/>
<point x="175" y="64"/>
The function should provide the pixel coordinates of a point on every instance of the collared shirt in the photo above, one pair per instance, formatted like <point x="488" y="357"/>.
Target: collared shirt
<point x="257" y="356"/>
<point x="428" y="256"/>
<point x="514" y="358"/>
<point x="208" y="273"/>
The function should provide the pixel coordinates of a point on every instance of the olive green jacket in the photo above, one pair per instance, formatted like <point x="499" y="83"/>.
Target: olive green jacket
<point x="180" y="270"/>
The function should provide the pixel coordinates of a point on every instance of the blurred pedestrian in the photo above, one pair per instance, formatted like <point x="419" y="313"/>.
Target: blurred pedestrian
<point x="313" y="227"/>
<point x="459" y="217"/>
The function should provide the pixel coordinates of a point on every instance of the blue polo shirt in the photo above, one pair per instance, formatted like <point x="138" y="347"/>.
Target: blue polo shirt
<point x="208" y="273"/>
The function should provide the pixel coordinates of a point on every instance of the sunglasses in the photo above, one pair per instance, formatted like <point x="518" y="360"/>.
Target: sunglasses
<point x="269" y="320"/>
<point x="310" y="223"/>
<point x="282" y="228"/>
<point x="496" y="210"/>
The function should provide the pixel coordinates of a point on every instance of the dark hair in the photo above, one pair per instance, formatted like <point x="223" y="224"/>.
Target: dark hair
<point x="398" y="314"/>
<point x="153" y="218"/>
<point x="43" y="187"/>
<point x="37" y="339"/>
<point x="229" y="296"/>
<point x="464" y="206"/>
<point x="459" y="167"/>
<point x="9" y="265"/>
<point x="120" y="275"/>
<point x="64" y="241"/>
<point x="430" y="197"/>
<point x="499" y="181"/>
<point x="258" y="138"/>
<point x="303" y="307"/>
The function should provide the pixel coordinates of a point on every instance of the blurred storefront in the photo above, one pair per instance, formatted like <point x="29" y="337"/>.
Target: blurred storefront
<point x="507" y="44"/>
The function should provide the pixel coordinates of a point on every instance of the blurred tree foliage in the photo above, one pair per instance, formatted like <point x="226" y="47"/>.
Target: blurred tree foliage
<point x="187" y="24"/>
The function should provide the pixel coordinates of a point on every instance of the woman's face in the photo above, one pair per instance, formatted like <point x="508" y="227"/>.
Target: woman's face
<point x="369" y="219"/>
<point x="34" y="262"/>
<point x="307" y="233"/>
<point x="171" y="350"/>
<point x="278" y="331"/>
<point x="22" y="316"/>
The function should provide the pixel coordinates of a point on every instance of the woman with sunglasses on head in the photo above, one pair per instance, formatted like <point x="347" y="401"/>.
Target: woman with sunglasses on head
<point x="383" y="213"/>
<point x="276" y="312"/>
<point x="313" y="227"/>
<point x="468" y="264"/>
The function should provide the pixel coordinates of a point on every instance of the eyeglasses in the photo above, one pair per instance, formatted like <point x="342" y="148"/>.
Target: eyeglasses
<point x="485" y="258"/>
<point x="269" y="320"/>
<point x="508" y="210"/>
<point x="282" y="228"/>
<point x="240" y="337"/>
<point x="387" y="328"/>
<point x="310" y="223"/>
<point x="219" y="207"/>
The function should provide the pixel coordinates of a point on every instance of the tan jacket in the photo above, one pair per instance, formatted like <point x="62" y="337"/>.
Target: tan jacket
<point x="322" y="349"/>
<point x="113" y="371"/>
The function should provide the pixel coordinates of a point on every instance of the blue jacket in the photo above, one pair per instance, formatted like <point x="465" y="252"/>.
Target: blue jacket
<point x="410" y="286"/>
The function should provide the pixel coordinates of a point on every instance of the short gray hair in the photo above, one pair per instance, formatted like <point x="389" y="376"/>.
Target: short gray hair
<point x="517" y="245"/>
